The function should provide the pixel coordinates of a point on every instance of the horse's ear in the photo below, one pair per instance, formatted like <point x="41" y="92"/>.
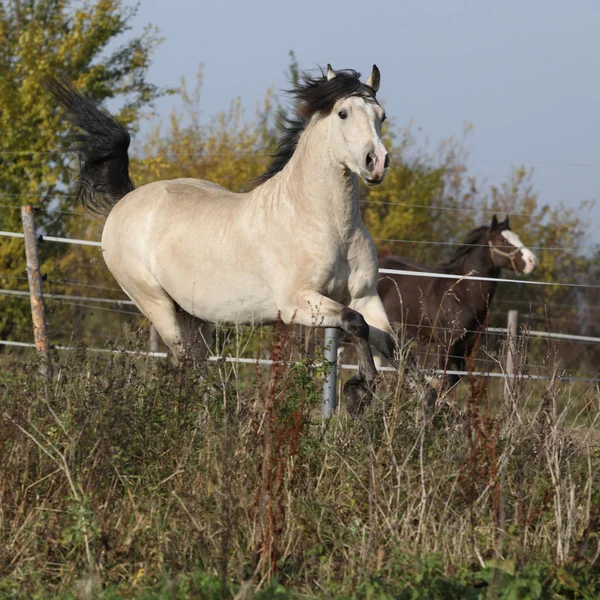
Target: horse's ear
<point x="374" y="79"/>
<point x="494" y="222"/>
<point x="330" y="73"/>
<point x="506" y="222"/>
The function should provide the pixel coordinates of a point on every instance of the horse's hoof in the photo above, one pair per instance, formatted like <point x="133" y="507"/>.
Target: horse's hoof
<point x="358" y="397"/>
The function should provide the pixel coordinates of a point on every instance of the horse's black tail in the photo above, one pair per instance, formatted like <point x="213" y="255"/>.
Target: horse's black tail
<point x="101" y="147"/>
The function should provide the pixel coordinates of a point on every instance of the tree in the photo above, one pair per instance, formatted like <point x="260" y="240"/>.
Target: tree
<point x="228" y="150"/>
<point x="64" y="38"/>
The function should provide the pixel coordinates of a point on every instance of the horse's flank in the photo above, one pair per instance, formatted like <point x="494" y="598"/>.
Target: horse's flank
<point x="295" y="247"/>
<point x="219" y="254"/>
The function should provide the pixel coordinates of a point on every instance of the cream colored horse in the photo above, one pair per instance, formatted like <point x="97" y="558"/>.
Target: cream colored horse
<point x="294" y="247"/>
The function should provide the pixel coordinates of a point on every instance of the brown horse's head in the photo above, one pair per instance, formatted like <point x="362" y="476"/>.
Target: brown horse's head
<point x="507" y="249"/>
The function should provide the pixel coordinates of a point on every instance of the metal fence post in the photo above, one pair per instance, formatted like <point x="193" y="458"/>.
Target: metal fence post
<point x="34" y="276"/>
<point x="511" y="352"/>
<point x="332" y="337"/>
<point x="154" y="339"/>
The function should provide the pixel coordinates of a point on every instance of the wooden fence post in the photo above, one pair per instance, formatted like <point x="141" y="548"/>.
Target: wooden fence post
<point x="511" y="352"/>
<point x="34" y="276"/>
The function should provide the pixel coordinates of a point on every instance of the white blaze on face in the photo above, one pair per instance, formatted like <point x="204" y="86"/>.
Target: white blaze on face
<point x="529" y="257"/>
<point x="355" y="139"/>
<point x="379" y="149"/>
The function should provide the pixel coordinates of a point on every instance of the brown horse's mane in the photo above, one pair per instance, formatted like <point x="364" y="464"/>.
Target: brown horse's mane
<point x="471" y="242"/>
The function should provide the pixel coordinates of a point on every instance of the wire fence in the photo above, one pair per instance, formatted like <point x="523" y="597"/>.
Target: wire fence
<point x="382" y="271"/>
<point x="91" y="302"/>
<point x="408" y="273"/>
<point x="432" y="207"/>
<point x="344" y="366"/>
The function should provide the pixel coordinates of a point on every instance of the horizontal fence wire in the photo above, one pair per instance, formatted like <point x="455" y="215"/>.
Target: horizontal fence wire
<point x="264" y="154"/>
<point x="68" y="299"/>
<point x="53" y="211"/>
<point x="478" y="278"/>
<point x="549" y="334"/>
<point x="498" y="331"/>
<point x="67" y="283"/>
<point x="226" y="359"/>
<point x="268" y="362"/>
<point x="497" y="301"/>
<point x="376" y="203"/>
<point x="23" y="293"/>
<point x="518" y="376"/>
<point x="102" y="308"/>
<point x="382" y="271"/>
<point x="435" y="243"/>
<point x="51" y="238"/>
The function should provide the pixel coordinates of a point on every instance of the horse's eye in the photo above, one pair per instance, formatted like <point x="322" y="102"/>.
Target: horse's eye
<point x="342" y="114"/>
<point x="384" y="117"/>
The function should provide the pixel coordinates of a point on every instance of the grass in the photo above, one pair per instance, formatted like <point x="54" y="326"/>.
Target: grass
<point x="125" y="477"/>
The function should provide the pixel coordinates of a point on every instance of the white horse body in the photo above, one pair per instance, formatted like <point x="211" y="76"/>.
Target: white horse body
<point x="295" y="247"/>
<point x="238" y="258"/>
<point x="166" y="252"/>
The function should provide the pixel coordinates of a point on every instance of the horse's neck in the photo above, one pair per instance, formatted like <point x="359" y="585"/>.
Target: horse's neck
<point x="317" y="185"/>
<point x="480" y="264"/>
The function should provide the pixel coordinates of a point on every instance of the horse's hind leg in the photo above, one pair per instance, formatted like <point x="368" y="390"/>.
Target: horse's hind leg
<point x="197" y="334"/>
<point x="173" y="325"/>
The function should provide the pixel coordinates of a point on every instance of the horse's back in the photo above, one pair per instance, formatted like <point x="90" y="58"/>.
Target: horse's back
<point x="194" y="185"/>
<point x="394" y="283"/>
<point x="144" y="203"/>
<point x="402" y="264"/>
<point x="147" y="215"/>
<point x="175" y="191"/>
<point x="419" y="303"/>
<point x="402" y="295"/>
<point x="191" y="238"/>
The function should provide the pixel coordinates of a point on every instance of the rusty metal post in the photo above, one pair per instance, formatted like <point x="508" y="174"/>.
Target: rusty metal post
<point x="34" y="276"/>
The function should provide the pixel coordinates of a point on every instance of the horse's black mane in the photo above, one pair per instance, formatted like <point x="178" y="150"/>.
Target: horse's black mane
<point x="471" y="242"/>
<point x="313" y="95"/>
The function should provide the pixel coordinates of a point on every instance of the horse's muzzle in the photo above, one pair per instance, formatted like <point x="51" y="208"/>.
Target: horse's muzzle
<point x="377" y="163"/>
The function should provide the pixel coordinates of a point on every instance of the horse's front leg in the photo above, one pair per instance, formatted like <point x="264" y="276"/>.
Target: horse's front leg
<point x="311" y="308"/>
<point x="381" y="334"/>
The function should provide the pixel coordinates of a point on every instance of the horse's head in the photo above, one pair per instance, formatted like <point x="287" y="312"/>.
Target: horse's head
<point x="355" y="128"/>
<point x="349" y="116"/>
<point x="507" y="249"/>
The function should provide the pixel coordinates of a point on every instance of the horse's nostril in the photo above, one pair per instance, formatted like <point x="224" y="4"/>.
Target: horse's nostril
<point x="386" y="163"/>
<point x="370" y="161"/>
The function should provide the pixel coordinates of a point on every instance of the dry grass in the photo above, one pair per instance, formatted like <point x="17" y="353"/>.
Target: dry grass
<point x="130" y="472"/>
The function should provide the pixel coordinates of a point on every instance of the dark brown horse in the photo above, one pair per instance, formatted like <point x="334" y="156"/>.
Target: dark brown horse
<point x="450" y="313"/>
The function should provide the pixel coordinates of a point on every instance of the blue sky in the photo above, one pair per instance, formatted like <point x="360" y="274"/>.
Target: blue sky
<point x="524" y="74"/>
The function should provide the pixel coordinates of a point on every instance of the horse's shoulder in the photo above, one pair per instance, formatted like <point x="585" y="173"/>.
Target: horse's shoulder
<point x="360" y="249"/>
